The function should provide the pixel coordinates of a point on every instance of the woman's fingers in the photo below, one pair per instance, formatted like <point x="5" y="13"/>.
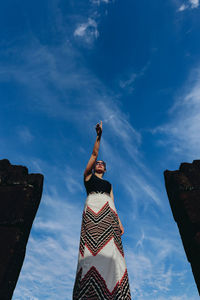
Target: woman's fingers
<point x="99" y="127"/>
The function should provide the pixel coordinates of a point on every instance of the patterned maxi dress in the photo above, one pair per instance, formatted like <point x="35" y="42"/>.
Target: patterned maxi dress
<point x="101" y="271"/>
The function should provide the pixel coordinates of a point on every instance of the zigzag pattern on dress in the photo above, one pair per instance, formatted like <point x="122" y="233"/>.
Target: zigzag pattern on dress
<point x="93" y="287"/>
<point x="98" y="228"/>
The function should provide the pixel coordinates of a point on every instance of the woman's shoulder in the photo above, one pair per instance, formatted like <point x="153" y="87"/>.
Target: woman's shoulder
<point x="87" y="178"/>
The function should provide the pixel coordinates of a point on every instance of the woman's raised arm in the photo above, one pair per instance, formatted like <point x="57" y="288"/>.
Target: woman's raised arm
<point x="95" y="151"/>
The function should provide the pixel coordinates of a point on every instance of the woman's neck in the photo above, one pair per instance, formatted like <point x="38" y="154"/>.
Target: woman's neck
<point x="99" y="175"/>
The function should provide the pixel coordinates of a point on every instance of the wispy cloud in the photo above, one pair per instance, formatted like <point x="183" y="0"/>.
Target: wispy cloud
<point x="70" y="179"/>
<point x="150" y="265"/>
<point x="128" y="84"/>
<point x="25" y="134"/>
<point x="52" y="78"/>
<point x="182" y="132"/>
<point x="139" y="183"/>
<point x="87" y="31"/>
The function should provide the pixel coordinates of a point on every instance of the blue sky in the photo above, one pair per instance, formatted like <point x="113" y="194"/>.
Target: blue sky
<point x="135" y="65"/>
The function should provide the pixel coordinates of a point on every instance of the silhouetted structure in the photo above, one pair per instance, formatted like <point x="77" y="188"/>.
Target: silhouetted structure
<point x="20" y="195"/>
<point x="183" y="189"/>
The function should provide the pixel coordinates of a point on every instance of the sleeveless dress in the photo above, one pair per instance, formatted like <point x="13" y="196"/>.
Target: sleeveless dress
<point x="101" y="271"/>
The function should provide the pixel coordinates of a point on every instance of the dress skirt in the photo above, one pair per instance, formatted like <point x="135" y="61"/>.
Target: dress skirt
<point x="101" y="271"/>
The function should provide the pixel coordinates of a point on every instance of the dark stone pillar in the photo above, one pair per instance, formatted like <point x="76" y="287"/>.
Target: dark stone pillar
<point x="20" y="195"/>
<point x="183" y="190"/>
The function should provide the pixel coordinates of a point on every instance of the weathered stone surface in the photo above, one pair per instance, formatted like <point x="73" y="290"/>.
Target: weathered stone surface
<point x="20" y="195"/>
<point x="183" y="190"/>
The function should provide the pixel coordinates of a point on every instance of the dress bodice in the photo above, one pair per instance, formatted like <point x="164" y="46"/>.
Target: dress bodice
<point x="96" y="184"/>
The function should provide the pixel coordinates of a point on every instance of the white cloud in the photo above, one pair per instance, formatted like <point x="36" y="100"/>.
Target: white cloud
<point x="190" y="4"/>
<point x="182" y="7"/>
<point x="87" y="31"/>
<point x="194" y="3"/>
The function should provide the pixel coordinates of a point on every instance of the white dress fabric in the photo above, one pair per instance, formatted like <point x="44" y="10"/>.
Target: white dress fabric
<point x="101" y="271"/>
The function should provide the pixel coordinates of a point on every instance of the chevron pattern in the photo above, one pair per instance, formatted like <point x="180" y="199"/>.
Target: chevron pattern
<point x="101" y="272"/>
<point x="98" y="228"/>
<point x="93" y="287"/>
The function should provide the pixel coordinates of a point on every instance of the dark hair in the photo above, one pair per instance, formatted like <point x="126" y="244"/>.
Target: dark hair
<point x="93" y="169"/>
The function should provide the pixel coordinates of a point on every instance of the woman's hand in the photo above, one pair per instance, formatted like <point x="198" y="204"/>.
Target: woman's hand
<point x="99" y="128"/>
<point x="121" y="227"/>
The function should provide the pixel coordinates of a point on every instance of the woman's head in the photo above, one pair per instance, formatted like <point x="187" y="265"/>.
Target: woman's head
<point x="99" y="166"/>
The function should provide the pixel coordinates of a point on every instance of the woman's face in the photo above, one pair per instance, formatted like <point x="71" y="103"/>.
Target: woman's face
<point x="99" y="168"/>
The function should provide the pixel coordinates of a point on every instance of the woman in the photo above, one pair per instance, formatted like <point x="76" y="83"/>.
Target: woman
<point x="101" y="271"/>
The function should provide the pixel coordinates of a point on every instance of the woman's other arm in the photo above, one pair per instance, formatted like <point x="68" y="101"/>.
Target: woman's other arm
<point x="120" y="224"/>
<point x="95" y="151"/>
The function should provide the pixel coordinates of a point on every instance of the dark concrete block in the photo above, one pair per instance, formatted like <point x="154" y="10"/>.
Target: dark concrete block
<point x="183" y="190"/>
<point x="20" y="195"/>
